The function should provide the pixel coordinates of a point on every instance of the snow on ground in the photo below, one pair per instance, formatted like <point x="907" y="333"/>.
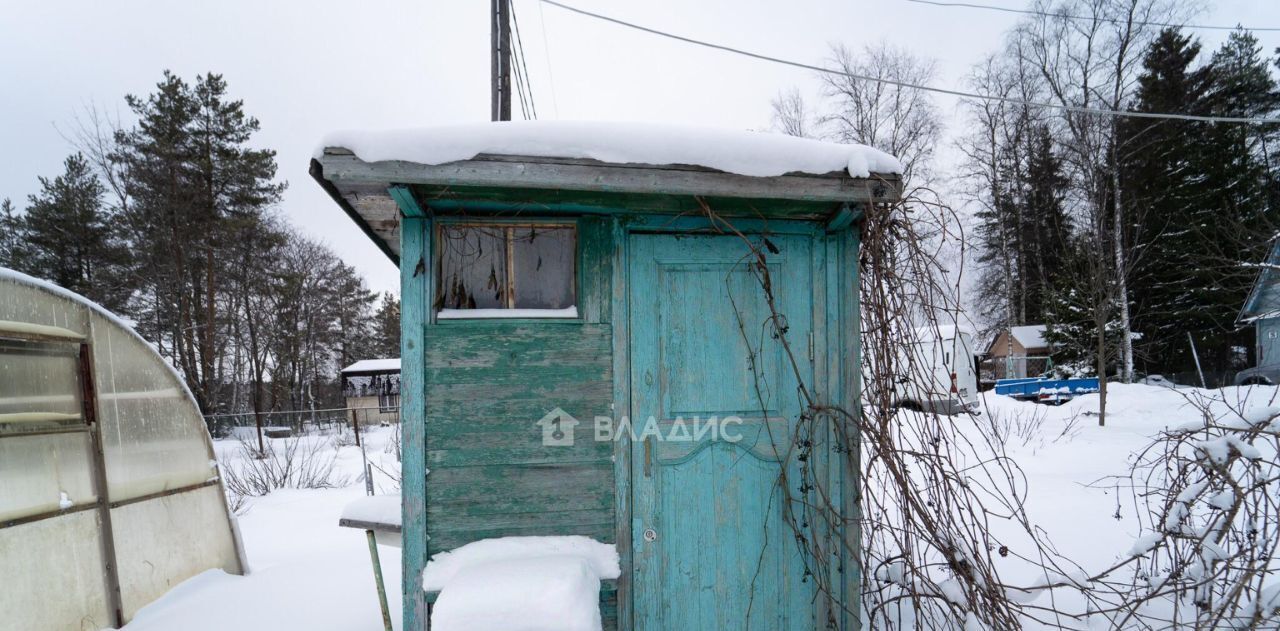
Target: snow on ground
<point x="308" y="573"/>
<point x="1077" y="471"/>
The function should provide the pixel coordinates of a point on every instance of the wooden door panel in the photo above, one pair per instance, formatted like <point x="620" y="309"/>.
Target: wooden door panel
<point x="712" y="549"/>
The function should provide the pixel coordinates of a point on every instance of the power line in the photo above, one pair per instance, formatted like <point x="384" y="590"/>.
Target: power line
<point x="546" y="51"/>
<point x="522" y="70"/>
<point x="903" y="84"/>
<point x="969" y="5"/>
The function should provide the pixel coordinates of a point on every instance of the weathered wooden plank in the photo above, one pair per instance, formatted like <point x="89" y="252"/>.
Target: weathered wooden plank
<point x="595" y="268"/>
<point x="593" y="175"/>
<point x="850" y="350"/>
<point x="569" y="519"/>
<point x="415" y="287"/>
<point x="483" y="449"/>
<point x="449" y="541"/>
<point x="541" y="379"/>
<point x="529" y="486"/>
<point x="618" y="294"/>
<point x="527" y="346"/>
<point x="451" y="395"/>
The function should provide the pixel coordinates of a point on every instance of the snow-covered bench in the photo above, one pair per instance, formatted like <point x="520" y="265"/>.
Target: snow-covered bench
<point x="510" y="583"/>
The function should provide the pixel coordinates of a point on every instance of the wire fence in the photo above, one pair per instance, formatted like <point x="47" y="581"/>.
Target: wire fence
<point x="1012" y="367"/>
<point x="284" y="423"/>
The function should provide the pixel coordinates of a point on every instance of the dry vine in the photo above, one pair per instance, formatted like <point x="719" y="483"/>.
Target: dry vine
<point x="940" y="507"/>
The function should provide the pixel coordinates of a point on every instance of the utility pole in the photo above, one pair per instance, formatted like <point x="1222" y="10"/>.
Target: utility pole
<point x="500" y="64"/>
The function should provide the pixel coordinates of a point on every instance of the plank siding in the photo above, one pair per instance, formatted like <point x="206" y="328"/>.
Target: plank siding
<point x="486" y="454"/>
<point x="488" y="383"/>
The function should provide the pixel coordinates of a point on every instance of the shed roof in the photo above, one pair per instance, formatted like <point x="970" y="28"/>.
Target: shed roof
<point x="374" y="365"/>
<point x="558" y="166"/>
<point x="1264" y="299"/>
<point x="1031" y="336"/>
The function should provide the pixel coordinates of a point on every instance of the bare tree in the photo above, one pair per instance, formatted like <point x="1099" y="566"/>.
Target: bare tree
<point x="900" y="120"/>
<point x="791" y="115"/>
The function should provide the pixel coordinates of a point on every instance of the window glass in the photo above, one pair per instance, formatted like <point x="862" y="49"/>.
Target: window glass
<point x="473" y="267"/>
<point x="507" y="266"/>
<point x="544" y="262"/>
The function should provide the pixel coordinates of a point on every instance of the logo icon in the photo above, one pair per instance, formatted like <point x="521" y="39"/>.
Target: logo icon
<point x="557" y="428"/>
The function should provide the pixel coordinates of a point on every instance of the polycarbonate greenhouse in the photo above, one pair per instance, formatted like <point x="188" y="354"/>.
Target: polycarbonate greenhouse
<point x="109" y="492"/>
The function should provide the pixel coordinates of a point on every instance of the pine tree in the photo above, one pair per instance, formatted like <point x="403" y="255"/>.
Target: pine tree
<point x="71" y="237"/>
<point x="192" y="180"/>
<point x="386" y="327"/>
<point x="352" y="302"/>
<point x="13" y="237"/>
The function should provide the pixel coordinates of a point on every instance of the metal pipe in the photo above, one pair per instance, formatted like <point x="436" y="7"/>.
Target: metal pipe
<point x="377" y="577"/>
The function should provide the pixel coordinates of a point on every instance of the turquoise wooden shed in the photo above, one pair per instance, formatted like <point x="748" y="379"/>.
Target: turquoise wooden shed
<point x="586" y="350"/>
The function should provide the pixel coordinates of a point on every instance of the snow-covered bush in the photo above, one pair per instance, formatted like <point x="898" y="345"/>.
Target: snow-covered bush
<point x="1211" y="489"/>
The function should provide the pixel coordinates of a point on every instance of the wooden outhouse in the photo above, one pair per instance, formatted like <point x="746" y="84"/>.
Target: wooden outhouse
<point x="561" y="284"/>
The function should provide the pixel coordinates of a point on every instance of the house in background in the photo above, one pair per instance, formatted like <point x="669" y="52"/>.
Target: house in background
<point x="371" y="388"/>
<point x="1262" y="310"/>
<point x="1017" y="353"/>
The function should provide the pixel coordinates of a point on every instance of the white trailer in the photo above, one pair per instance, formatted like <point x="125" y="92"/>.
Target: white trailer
<point x="937" y="371"/>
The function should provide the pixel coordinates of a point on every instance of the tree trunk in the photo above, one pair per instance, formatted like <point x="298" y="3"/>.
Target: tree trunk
<point x="1102" y="370"/>
<point x="1122" y="282"/>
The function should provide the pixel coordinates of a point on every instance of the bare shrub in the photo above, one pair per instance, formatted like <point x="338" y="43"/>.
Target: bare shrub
<point x="1209" y="495"/>
<point x="294" y="463"/>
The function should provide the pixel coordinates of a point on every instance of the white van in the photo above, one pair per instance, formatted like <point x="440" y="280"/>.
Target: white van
<point x="941" y="377"/>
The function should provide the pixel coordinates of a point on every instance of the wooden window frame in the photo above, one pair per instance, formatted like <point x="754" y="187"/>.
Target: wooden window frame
<point x="507" y="226"/>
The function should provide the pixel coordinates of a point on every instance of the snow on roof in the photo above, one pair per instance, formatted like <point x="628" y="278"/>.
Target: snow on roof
<point x="735" y="151"/>
<point x="374" y="365"/>
<point x="943" y="331"/>
<point x="1030" y="336"/>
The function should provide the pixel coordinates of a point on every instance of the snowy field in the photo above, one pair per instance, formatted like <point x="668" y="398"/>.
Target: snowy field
<point x="307" y="573"/>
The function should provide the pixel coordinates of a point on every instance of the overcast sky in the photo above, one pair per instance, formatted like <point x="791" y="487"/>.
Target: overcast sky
<point x="306" y="67"/>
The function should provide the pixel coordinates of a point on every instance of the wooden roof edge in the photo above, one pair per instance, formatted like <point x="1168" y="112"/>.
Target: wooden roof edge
<point x="339" y="164"/>
<point x="317" y="173"/>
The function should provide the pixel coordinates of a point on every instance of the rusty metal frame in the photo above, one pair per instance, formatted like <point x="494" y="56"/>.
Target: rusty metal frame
<point x="89" y="401"/>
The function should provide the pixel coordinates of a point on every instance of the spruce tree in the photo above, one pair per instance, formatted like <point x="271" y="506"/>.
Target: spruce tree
<point x="1047" y="227"/>
<point x="1162" y="168"/>
<point x="1239" y="222"/>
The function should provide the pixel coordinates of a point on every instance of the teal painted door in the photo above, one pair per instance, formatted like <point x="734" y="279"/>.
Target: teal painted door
<point x="711" y="546"/>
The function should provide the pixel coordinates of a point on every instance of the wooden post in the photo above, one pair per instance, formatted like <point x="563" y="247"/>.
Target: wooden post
<point x="500" y="62"/>
<point x="415" y="288"/>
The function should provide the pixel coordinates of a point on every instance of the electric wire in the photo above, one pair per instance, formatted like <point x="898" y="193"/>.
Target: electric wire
<point x="546" y="55"/>
<point x="1075" y="109"/>
<point x="970" y="5"/>
<point x="520" y="65"/>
